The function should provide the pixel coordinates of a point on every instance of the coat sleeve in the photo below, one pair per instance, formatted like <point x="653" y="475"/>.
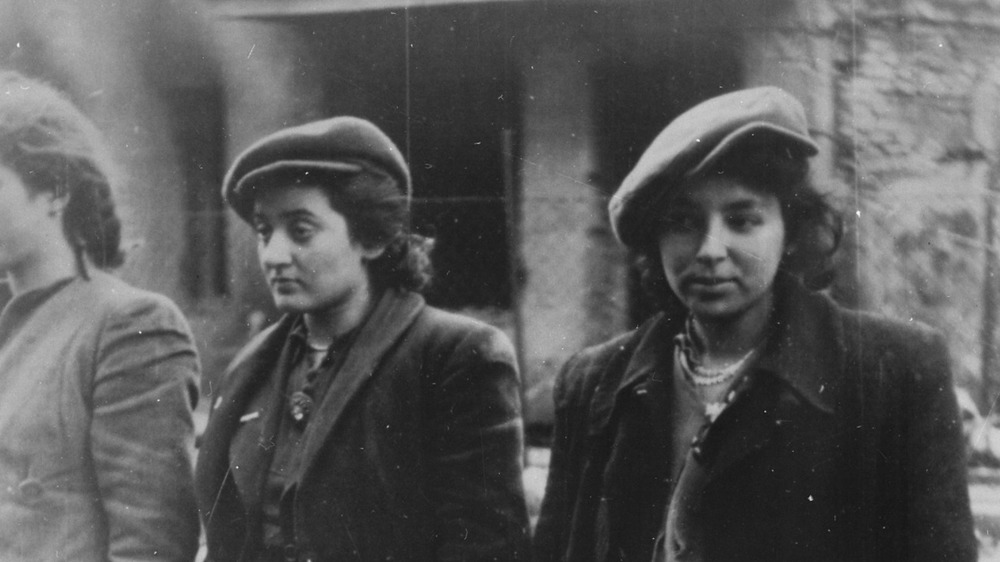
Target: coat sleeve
<point x="142" y="432"/>
<point x="940" y="523"/>
<point x="552" y="530"/>
<point x="476" y="449"/>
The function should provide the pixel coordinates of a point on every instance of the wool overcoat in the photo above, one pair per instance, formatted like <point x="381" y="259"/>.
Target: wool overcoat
<point x="97" y="382"/>
<point x="846" y="446"/>
<point x="414" y="452"/>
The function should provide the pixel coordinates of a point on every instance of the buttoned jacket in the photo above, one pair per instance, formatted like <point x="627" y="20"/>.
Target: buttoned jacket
<point x="845" y="446"/>
<point x="97" y="382"/>
<point x="414" y="452"/>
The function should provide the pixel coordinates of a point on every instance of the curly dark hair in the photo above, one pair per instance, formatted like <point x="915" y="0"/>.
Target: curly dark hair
<point x="814" y="227"/>
<point x="55" y="149"/>
<point x="378" y="216"/>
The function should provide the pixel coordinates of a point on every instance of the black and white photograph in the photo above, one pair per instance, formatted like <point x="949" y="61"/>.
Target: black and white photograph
<point x="499" y="280"/>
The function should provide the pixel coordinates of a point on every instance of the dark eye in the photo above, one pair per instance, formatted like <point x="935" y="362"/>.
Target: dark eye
<point x="263" y="231"/>
<point x="679" y="223"/>
<point x="300" y="232"/>
<point x="743" y="221"/>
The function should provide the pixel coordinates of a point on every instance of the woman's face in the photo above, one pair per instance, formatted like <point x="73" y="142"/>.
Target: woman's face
<point x="309" y="259"/>
<point x="28" y="225"/>
<point x="720" y="243"/>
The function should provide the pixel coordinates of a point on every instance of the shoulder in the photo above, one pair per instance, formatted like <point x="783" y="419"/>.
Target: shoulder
<point x="886" y="349"/>
<point x="123" y="304"/>
<point x="878" y="336"/>
<point x="262" y="344"/>
<point x="452" y="333"/>
<point x="602" y="364"/>
<point x="817" y="321"/>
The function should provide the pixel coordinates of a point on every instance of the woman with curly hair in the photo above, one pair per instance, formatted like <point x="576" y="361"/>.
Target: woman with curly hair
<point x="363" y="425"/>
<point x="97" y="378"/>
<point x="752" y="418"/>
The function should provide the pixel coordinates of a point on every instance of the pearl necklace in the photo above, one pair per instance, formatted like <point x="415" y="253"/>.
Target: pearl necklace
<point x="703" y="376"/>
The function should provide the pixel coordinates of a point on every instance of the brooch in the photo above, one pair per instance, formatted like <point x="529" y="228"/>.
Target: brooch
<point x="300" y="406"/>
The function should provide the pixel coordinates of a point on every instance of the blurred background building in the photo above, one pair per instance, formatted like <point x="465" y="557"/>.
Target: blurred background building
<point x="519" y="118"/>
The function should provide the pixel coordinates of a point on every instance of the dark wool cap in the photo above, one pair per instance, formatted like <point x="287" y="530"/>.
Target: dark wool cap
<point x="696" y="139"/>
<point x="345" y="145"/>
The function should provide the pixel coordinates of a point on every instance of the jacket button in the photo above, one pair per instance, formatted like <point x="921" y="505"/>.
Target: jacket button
<point x="30" y="489"/>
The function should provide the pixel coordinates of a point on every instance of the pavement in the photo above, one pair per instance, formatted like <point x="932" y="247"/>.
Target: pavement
<point x="984" y="497"/>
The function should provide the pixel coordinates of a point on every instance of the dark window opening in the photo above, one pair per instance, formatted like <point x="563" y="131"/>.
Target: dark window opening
<point x="196" y="115"/>
<point x="446" y="100"/>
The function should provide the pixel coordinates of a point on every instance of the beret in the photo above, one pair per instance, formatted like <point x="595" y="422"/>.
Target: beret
<point x="347" y="145"/>
<point x="695" y="140"/>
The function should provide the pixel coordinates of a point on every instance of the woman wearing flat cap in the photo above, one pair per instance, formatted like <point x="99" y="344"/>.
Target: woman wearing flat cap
<point x="363" y="425"/>
<point x="751" y="418"/>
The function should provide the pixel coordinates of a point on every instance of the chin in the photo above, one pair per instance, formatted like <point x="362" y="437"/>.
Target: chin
<point x="290" y="305"/>
<point x="715" y="311"/>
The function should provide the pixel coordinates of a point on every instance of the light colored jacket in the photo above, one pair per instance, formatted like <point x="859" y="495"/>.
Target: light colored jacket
<point x="97" y="383"/>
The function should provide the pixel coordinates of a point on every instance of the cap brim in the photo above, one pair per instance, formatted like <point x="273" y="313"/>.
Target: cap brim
<point x="240" y="196"/>
<point x="751" y="130"/>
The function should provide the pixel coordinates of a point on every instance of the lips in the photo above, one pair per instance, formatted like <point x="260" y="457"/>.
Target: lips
<point x="709" y="284"/>
<point x="709" y="281"/>
<point x="283" y="283"/>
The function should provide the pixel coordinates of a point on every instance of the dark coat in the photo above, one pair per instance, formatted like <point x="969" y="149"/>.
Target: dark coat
<point x="846" y="446"/>
<point x="413" y="454"/>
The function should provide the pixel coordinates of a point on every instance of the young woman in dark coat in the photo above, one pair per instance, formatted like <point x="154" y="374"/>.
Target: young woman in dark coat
<point x="752" y="418"/>
<point x="363" y="425"/>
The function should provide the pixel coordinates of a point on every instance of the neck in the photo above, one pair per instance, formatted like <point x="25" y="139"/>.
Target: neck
<point x="42" y="269"/>
<point x="732" y="337"/>
<point x="326" y="325"/>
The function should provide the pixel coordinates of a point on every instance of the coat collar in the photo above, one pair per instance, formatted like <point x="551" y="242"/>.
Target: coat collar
<point x="807" y="349"/>
<point x="255" y="366"/>
<point x="806" y="352"/>
<point x="392" y="316"/>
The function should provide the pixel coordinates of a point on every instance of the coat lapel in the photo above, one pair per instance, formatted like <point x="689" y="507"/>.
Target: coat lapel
<point x="653" y="347"/>
<point x="798" y="370"/>
<point x="256" y="461"/>
<point x="393" y="314"/>
<point x="253" y="367"/>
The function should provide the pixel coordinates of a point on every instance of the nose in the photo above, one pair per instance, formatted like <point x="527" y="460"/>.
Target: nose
<point x="714" y="242"/>
<point x="276" y="252"/>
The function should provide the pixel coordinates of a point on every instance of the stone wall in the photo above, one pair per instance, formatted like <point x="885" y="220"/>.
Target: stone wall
<point x="904" y="99"/>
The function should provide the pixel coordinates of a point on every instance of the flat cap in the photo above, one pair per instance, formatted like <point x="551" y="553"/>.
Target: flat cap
<point x="348" y="145"/>
<point x="695" y="140"/>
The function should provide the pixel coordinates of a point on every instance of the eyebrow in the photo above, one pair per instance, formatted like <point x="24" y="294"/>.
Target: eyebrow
<point x="287" y="215"/>
<point x="297" y="214"/>
<point x="743" y="204"/>
<point x="685" y="202"/>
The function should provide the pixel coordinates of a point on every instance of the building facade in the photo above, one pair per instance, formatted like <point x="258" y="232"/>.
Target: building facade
<point x="519" y="118"/>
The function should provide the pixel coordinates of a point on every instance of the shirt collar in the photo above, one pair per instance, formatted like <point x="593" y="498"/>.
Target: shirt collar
<point x="298" y="336"/>
<point x="21" y="307"/>
<point x="803" y="350"/>
<point x="30" y="300"/>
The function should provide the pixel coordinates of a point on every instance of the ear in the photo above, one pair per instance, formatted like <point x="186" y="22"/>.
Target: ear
<point x="369" y="254"/>
<point x="56" y="203"/>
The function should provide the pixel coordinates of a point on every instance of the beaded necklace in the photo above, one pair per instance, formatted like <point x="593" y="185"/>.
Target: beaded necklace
<point x="700" y="375"/>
